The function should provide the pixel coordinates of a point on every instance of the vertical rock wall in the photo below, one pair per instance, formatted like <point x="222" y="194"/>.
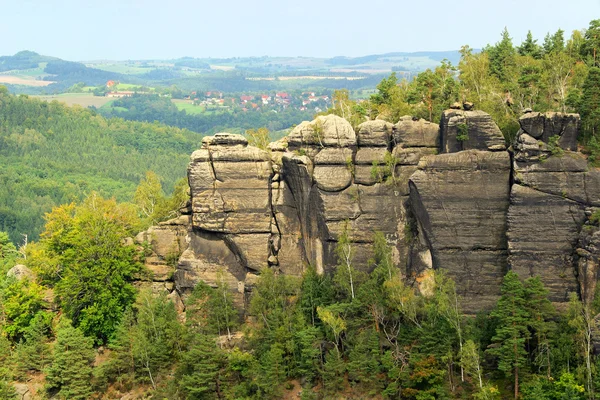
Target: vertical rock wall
<point x="553" y="186"/>
<point x="446" y="197"/>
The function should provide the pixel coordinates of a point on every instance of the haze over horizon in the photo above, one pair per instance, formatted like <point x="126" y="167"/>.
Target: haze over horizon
<point x="138" y="29"/>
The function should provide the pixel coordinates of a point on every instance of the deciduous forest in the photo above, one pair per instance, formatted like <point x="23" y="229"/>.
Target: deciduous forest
<point x="74" y="320"/>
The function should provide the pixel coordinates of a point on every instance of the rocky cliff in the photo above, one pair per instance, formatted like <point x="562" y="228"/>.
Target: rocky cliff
<point x="450" y="196"/>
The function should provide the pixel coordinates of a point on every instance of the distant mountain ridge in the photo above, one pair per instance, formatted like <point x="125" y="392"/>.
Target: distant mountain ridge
<point x="31" y="73"/>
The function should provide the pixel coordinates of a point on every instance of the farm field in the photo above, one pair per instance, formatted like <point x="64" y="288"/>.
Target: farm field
<point x="189" y="107"/>
<point x="23" y="80"/>
<point x="82" y="99"/>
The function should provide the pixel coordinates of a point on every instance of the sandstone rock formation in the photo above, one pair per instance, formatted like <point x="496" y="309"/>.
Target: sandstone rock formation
<point x="448" y="196"/>
<point x="552" y="187"/>
<point x="461" y="200"/>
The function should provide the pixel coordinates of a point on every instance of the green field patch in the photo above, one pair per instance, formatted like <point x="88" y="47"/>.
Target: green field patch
<point x="189" y="107"/>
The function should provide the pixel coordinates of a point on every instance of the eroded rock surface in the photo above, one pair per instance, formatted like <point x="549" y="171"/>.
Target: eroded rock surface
<point x="552" y="187"/>
<point x="461" y="200"/>
<point x="445" y="196"/>
<point x="469" y="130"/>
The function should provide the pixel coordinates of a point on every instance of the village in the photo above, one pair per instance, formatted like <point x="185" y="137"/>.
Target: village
<point x="303" y="101"/>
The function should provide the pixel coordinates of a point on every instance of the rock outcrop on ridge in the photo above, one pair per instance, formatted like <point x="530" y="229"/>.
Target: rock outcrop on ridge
<point x="448" y="196"/>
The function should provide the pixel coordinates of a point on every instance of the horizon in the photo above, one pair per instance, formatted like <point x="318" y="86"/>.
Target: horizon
<point x="92" y="60"/>
<point x="148" y="30"/>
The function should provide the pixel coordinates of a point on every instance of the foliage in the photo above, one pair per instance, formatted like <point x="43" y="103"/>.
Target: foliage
<point x="148" y="340"/>
<point x="21" y="301"/>
<point x="258" y="138"/>
<point x="51" y="154"/>
<point x="554" y="146"/>
<point x="94" y="266"/>
<point x="211" y="310"/>
<point x="68" y="377"/>
<point x="202" y="368"/>
<point x="512" y="333"/>
<point x="462" y="134"/>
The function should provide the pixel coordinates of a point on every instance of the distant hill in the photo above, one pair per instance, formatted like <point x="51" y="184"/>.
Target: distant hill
<point x="23" y="60"/>
<point x="32" y="73"/>
<point x="27" y="68"/>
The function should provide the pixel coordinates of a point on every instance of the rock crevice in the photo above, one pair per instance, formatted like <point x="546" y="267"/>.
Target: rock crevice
<point x="448" y="196"/>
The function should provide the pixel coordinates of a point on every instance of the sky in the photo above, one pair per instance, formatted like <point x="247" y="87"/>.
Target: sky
<point x="82" y="30"/>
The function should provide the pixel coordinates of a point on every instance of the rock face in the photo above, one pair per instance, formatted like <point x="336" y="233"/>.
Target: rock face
<point x="446" y="197"/>
<point x="461" y="200"/>
<point x="469" y="130"/>
<point x="552" y="187"/>
<point x="544" y="126"/>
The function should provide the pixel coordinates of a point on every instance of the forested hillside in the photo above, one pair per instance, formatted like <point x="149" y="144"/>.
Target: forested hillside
<point x="83" y="317"/>
<point x="51" y="154"/>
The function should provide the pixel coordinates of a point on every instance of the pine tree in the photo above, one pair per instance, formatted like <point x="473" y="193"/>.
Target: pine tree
<point x="201" y="368"/>
<point x="530" y="47"/>
<point x="590" y="49"/>
<point x="590" y="105"/>
<point x="541" y="313"/>
<point x="502" y="58"/>
<point x="512" y="333"/>
<point x="316" y="290"/>
<point x="333" y="373"/>
<point x="70" y="373"/>
<point x="7" y="391"/>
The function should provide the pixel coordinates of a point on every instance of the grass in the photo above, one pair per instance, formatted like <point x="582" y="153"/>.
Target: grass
<point x="188" y="107"/>
<point x="82" y="99"/>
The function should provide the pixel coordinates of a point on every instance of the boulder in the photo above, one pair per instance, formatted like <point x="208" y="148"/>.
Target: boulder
<point x="469" y="130"/>
<point x="544" y="126"/>
<point x="324" y="131"/>
<point x="568" y="176"/>
<point x="229" y="187"/>
<point x="21" y="272"/>
<point x="376" y="133"/>
<point x="421" y="133"/>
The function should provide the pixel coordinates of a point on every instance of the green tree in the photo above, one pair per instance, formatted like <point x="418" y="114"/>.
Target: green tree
<point x="470" y="362"/>
<point x="149" y="197"/>
<point x="8" y="253"/>
<point x="502" y="58"/>
<point x="148" y="341"/>
<point x="347" y="277"/>
<point x="7" y="390"/>
<point x="21" y="300"/>
<point x="541" y="313"/>
<point x="258" y="137"/>
<point x="512" y="333"/>
<point x="32" y="353"/>
<point x="316" y="290"/>
<point x="581" y="319"/>
<point x="96" y="267"/>
<point x="590" y="105"/>
<point x="70" y="372"/>
<point x="385" y="90"/>
<point x="201" y="368"/>
<point x="591" y="46"/>
<point x="529" y="47"/>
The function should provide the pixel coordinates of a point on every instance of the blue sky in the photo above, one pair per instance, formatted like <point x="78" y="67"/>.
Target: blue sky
<point x="147" y="29"/>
